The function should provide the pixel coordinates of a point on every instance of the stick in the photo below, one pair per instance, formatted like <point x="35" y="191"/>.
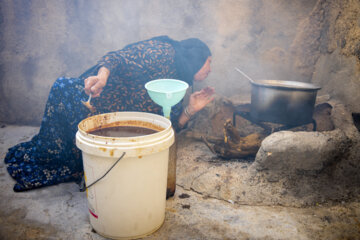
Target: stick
<point x="208" y="145"/>
<point x="198" y="136"/>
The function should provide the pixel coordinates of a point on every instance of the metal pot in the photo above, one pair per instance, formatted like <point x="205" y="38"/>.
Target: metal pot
<point x="285" y="102"/>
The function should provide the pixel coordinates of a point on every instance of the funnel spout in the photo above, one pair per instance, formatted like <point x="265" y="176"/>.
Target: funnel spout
<point x="166" y="112"/>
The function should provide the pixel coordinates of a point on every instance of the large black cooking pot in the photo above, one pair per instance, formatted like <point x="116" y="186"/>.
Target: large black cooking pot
<point x="284" y="102"/>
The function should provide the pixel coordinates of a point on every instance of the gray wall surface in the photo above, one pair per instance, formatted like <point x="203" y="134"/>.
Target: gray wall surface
<point x="41" y="40"/>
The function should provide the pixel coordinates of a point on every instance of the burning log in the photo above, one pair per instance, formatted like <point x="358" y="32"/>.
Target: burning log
<point x="233" y="145"/>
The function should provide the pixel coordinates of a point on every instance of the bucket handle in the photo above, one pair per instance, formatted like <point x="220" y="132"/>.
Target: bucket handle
<point x="83" y="186"/>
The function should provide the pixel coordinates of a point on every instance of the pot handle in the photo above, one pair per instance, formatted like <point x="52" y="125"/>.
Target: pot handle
<point x="250" y="79"/>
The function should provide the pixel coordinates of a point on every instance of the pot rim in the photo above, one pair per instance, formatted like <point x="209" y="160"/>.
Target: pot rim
<point x="289" y="85"/>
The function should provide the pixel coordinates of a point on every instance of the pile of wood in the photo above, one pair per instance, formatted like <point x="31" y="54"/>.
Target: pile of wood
<point x="236" y="145"/>
<point x="232" y="146"/>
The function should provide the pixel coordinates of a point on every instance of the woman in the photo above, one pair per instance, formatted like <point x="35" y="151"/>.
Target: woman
<point x="116" y="83"/>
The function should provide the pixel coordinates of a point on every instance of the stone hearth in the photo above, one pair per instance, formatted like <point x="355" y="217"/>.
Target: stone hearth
<point x="291" y="168"/>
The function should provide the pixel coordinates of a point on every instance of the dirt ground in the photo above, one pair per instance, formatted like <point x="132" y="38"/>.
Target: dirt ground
<point x="60" y="212"/>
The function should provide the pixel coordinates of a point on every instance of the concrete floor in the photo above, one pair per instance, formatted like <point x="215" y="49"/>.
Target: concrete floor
<point x="60" y="212"/>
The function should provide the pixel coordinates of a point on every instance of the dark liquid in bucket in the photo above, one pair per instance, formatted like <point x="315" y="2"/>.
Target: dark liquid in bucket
<point x="123" y="131"/>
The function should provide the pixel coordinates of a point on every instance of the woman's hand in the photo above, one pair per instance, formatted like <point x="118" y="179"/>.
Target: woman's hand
<point x="95" y="84"/>
<point x="198" y="100"/>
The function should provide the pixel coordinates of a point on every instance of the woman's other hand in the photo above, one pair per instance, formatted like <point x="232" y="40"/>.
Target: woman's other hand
<point x="198" y="100"/>
<point x="95" y="84"/>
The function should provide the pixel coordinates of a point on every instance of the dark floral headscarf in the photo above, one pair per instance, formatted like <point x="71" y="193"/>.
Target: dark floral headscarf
<point x="190" y="56"/>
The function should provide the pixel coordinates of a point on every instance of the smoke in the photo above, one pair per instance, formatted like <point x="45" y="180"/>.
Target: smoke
<point x="66" y="37"/>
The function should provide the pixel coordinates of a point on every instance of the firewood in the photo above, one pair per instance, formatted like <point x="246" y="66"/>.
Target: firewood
<point x="232" y="146"/>
<point x="235" y="146"/>
<point x="198" y="136"/>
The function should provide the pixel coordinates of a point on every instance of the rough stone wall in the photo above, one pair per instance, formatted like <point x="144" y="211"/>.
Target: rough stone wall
<point x="326" y="50"/>
<point x="42" y="40"/>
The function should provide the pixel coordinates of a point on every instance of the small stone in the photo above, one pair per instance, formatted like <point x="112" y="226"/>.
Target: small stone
<point x="184" y="195"/>
<point x="326" y="219"/>
<point x="230" y="201"/>
<point x="273" y="178"/>
<point x="185" y="206"/>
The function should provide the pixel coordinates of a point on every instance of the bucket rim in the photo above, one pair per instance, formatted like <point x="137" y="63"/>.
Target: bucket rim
<point x="131" y="139"/>
<point x="113" y="147"/>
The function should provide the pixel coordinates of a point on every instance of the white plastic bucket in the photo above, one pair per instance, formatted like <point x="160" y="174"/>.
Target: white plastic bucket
<point x="129" y="202"/>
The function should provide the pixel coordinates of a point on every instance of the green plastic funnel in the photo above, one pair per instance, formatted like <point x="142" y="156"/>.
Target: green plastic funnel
<point x="166" y="93"/>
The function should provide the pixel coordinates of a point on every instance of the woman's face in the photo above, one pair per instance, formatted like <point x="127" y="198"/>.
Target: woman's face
<point x="204" y="71"/>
